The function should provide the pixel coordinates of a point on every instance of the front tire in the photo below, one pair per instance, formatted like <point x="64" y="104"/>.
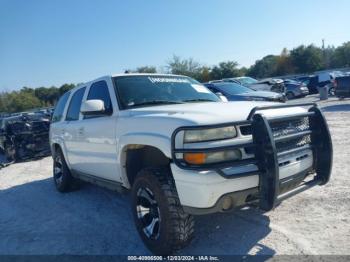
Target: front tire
<point x="159" y="217"/>
<point x="64" y="181"/>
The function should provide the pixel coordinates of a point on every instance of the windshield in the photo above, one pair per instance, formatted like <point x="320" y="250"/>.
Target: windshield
<point x="139" y="91"/>
<point x="247" y="80"/>
<point x="233" y="89"/>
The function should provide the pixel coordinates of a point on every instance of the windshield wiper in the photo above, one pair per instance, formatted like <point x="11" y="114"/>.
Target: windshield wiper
<point x="157" y="102"/>
<point x="199" y="100"/>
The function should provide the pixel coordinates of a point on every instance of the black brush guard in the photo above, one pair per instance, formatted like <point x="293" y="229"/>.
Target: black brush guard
<point x="271" y="191"/>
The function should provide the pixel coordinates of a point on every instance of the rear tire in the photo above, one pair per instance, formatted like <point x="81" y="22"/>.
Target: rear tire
<point x="159" y="217"/>
<point x="64" y="181"/>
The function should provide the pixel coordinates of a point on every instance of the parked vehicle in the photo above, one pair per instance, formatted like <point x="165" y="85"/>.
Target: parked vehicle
<point x="24" y="137"/>
<point x="269" y="84"/>
<point x="181" y="152"/>
<point x="313" y="83"/>
<point x="236" y="92"/>
<point x="295" y="89"/>
<point x="342" y="86"/>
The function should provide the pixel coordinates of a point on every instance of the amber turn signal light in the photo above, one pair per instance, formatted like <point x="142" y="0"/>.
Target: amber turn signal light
<point x="195" y="158"/>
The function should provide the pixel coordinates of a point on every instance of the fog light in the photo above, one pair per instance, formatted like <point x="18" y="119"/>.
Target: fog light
<point x="226" y="203"/>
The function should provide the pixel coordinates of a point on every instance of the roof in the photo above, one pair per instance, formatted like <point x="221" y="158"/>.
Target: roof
<point x="123" y="74"/>
<point x="141" y="74"/>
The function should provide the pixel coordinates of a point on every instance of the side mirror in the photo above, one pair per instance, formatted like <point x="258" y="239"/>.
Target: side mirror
<point x="221" y="96"/>
<point x="93" y="107"/>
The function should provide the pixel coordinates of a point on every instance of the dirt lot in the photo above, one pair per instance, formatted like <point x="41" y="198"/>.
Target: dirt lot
<point x="36" y="219"/>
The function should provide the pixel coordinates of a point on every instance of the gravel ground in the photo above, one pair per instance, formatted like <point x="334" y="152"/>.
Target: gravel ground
<point x="36" y="219"/>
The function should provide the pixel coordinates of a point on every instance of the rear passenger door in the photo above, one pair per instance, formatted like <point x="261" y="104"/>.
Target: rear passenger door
<point x="71" y="127"/>
<point x="97" y="138"/>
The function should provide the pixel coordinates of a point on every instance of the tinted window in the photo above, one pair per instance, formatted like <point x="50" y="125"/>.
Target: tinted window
<point x="75" y="104"/>
<point x="99" y="90"/>
<point x="58" y="113"/>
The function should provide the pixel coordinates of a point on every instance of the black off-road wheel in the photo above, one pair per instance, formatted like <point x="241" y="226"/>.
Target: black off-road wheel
<point x="160" y="220"/>
<point x="64" y="181"/>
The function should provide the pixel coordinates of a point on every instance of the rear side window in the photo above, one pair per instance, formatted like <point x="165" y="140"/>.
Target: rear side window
<point x="75" y="104"/>
<point x="99" y="90"/>
<point x="61" y="104"/>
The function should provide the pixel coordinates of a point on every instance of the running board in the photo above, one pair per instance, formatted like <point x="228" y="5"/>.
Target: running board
<point x="109" y="184"/>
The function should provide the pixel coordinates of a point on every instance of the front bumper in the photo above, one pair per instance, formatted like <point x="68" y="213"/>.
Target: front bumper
<point x="274" y="172"/>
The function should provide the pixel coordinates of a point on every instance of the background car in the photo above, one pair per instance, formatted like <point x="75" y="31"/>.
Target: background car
<point x="312" y="82"/>
<point x="236" y="92"/>
<point x="268" y="84"/>
<point x="295" y="89"/>
<point x="342" y="86"/>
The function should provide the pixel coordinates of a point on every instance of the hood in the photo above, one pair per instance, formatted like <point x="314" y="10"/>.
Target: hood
<point x="265" y="94"/>
<point x="199" y="113"/>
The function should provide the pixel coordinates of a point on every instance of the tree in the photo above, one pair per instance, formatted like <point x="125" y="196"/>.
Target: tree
<point x="18" y="101"/>
<point x="341" y="56"/>
<point x="307" y="59"/>
<point x="146" y="69"/>
<point x="225" y="70"/>
<point x="284" y="64"/>
<point x="266" y="67"/>
<point x="187" y="67"/>
<point x="64" y="88"/>
<point x="48" y="95"/>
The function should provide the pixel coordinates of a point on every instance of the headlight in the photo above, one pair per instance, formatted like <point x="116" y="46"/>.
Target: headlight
<point x="212" y="157"/>
<point x="192" y="136"/>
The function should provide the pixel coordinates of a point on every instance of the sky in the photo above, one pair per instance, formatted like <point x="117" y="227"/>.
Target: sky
<point x="51" y="42"/>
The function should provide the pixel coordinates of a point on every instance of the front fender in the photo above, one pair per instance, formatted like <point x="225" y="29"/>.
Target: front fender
<point x="158" y="141"/>
<point x="163" y="143"/>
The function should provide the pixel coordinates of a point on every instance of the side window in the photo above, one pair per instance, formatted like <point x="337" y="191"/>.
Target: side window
<point x="99" y="90"/>
<point x="75" y="104"/>
<point x="61" y="104"/>
<point x="213" y="89"/>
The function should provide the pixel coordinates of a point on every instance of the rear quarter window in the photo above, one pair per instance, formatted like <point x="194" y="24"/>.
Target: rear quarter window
<point x="61" y="104"/>
<point x="75" y="104"/>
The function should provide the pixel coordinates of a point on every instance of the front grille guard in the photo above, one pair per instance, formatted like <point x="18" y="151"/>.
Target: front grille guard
<point x="266" y="153"/>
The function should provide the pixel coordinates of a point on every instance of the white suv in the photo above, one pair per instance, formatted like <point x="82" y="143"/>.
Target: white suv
<point x="182" y="152"/>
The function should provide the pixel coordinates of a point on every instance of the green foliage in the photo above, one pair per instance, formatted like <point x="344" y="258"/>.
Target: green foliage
<point x="18" y="101"/>
<point x="146" y="69"/>
<point x="265" y="67"/>
<point x="65" y="87"/>
<point x="341" y="56"/>
<point x="188" y="67"/>
<point x="30" y="98"/>
<point x="307" y="59"/>
<point x="225" y="70"/>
